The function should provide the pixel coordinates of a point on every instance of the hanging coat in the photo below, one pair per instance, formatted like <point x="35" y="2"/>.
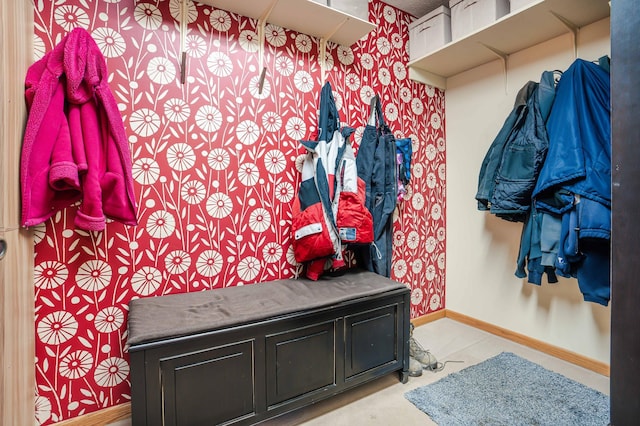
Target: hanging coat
<point x="377" y="167"/>
<point x="75" y="147"/>
<point x="329" y="211"/>
<point x="575" y="181"/>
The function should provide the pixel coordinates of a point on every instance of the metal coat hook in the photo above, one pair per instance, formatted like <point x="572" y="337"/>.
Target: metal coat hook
<point x="261" y="41"/>
<point x="262" y="22"/>
<point x="323" y="60"/>
<point x="184" y="17"/>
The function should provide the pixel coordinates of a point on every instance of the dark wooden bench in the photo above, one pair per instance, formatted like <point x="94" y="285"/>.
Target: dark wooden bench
<point x="241" y="355"/>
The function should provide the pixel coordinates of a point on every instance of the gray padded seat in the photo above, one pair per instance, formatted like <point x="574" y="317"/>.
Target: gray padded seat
<point x="158" y="318"/>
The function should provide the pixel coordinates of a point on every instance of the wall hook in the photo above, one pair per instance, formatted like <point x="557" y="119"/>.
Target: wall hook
<point x="262" y="23"/>
<point x="184" y="18"/>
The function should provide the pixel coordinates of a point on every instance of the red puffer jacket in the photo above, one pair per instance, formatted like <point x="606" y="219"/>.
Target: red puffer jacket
<point x="329" y="211"/>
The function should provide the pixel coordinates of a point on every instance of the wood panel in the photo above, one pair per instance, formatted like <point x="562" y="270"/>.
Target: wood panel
<point x="17" y="335"/>
<point x="16" y="35"/>
<point x="625" y="136"/>
<point x="17" y="348"/>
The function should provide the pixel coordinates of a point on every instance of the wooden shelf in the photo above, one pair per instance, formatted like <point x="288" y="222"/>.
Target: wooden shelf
<point x="303" y="16"/>
<point x="540" y="21"/>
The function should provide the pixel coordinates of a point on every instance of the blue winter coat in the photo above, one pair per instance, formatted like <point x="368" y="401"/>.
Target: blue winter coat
<point x="579" y="156"/>
<point x="575" y="181"/>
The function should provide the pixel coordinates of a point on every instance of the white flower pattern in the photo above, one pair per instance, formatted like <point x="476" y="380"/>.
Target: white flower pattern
<point x="177" y="110"/>
<point x="180" y="157"/>
<point x="161" y="70"/>
<point x="76" y="364"/>
<point x="57" y="327"/>
<point x="220" y="64"/>
<point x="146" y="280"/>
<point x="193" y="192"/>
<point x="248" y="268"/>
<point x="144" y="122"/>
<point x="260" y="220"/>
<point x="145" y="171"/>
<point x="161" y="224"/>
<point x="50" y="274"/>
<point x="209" y="263"/>
<point x="148" y="16"/>
<point x="70" y="17"/>
<point x="110" y="42"/>
<point x="219" y="205"/>
<point x="177" y="262"/>
<point x="109" y="319"/>
<point x="94" y="275"/>
<point x="111" y="372"/>
<point x="218" y="159"/>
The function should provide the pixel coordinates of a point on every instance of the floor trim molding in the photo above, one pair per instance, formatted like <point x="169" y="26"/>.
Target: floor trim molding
<point x="564" y="354"/>
<point x="102" y="417"/>
<point x="425" y="319"/>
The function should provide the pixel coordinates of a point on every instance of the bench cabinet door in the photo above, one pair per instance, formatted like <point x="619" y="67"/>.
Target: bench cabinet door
<point x="300" y="362"/>
<point x="208" y="386"/>
<point x="372" y="340"/>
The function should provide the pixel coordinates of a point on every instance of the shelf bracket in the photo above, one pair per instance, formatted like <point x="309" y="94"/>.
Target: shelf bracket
<point x="323" y="60"/>
<point x="504" y="57"/>
<point x="426" y="77"/>
<point x="323" y="48"/>
<point x="572" y="27"/>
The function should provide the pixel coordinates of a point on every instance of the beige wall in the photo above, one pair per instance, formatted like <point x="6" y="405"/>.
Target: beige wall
<point x="482" y="249"/>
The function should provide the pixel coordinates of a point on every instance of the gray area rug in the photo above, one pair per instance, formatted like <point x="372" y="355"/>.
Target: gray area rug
<point x="510" y="390"/>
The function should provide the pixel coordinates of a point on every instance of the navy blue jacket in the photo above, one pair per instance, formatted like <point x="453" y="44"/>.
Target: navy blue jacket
<point x="575" y="181"/>
<point x="493" y="158"/>
<point x="513" y="163"/>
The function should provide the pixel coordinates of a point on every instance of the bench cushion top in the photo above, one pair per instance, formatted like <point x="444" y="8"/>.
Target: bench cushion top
<point x="157" y="318"/>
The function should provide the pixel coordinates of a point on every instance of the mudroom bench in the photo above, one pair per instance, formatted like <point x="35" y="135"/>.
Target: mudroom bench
<point x="245" y="354"/>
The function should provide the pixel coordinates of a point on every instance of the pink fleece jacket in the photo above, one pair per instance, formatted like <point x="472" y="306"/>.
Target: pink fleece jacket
<point x="75" y="147"/>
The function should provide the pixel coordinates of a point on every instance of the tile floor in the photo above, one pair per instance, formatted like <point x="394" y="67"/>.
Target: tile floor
<point x="382" y="402"/>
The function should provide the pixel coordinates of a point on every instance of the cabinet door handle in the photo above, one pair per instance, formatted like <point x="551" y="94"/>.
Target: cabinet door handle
<point x="3" y="249"/>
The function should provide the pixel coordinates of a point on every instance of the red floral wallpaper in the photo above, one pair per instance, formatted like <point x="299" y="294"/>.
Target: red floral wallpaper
<point x="215" y="164"/>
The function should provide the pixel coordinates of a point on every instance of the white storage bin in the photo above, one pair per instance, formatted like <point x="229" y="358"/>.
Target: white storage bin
<point x="469" y="15"/>
<point x="357" y="8"/>
<point x="323" y="2"/>
<point x="430" y="32"/>
<point x="519" y="4"/>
